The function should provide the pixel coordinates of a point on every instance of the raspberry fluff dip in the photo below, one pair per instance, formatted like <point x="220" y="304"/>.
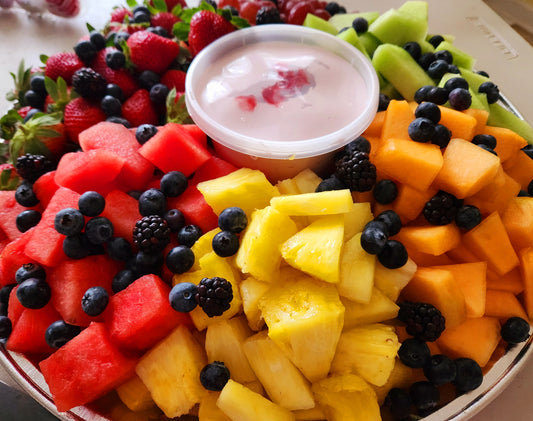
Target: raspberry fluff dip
<point x="281" y="99"/>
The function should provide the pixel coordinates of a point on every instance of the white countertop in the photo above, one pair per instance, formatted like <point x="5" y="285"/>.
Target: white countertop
<point x="499" y="50"/>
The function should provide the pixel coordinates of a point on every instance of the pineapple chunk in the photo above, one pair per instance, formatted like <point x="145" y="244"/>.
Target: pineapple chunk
<point x="356" y="218"/>
<point x="356" y="271"/>
<point x="245" y="188"/>
<point x="368" y="351"/>
<point x="259" y="253"/>
<point x="347" y="397"/>
<point x="135" y="395"/>
<point x="283" y="382"/>
<point x="171" y="372"/>
<point x="380" y="308"/>
<point x="401" y="377"/>
<point x="241" y="404"/>
<point x="392" y="281"/>
<point x="316" y="249"/>
<point x="251" y="291"/>
<point x="287" y="186"/>
<point x="202" y="246"/>
<point x="304" y="318"/>
<point x="306" y="181"/>
<point x="322" y="203"/>
<point x="223" y="342"/>
<point x="208" y="409"/>
<point x="313" y="414"/>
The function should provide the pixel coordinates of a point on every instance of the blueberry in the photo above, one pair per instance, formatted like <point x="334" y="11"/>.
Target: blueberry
<point x="33" y="99"/>
<point x="30" y="114"/>
<point x="373" y="240"/>
<point x="214" y="376"/>
<point x="483" y="73"/>
<point x="119" y="120"/>
<point x="94" y="301"/>
<point x="421" y="94"/>
<point x="414" y="49"/>
<point x="99" y="230"/>
<point x="147" y="79"/>
<point x="27" y="219"/>
<point x="452" y="68"/>
<point x="440" y="370"/>
<point x="115" y="91"/>
<point x="332" y="8"/>
<point x="188" y="235"/>
<point x="98" y="39"/>
<point x="122" y="280"/>
<point x="426" y="59"/>
<point x="392" y="220"/>
<point x="5" y="292"/>
<point x="76" y="246"/>
<point x="25" y="196"/>
<point x="144" y="263"/>
<point x="491" y="90"/>
<point x="152" y="202"/>
<point x="118" y="248"/>
<point x="145" y="132"/>
<point x="437" y="95"/>
<point x="468" y="216"/>
<point x="460" y="99"/>
<point x="485" y="139"/>
<point x="34" y="293"/>
<point x="330" y="183"/>
<point x="69" y="221"/>
<point x="530" y="188"/>
<point x="414" y="353"/>
<point x="111" y="106"/>
<point x="444" y="55"/>
<point x="379" y="225"/>
<point x="175" y="219"/>
<point x="120" y="37"/>
<point x="159" y="30"/>
<point x="385" y="191"/>
<point x="141" y="17"/>
<point x="488" y="149"/>
<point x="86" y="51"/>
<point x="442" y="136"/>
<point x="180" y="259"/>
<point x="393" y="255"/>
<point x="428" y="110"/>
<point x="455" y="82"/>
<point x="399" y="403"/>
<point x="359" y="144"/>
<point x="435" y="40"/>
<point x="37" y="85"/>
<point x="384" y="102"/>
<point x="60" y="332"/>
<point x="5" y="327"/>
<point x="140" y="8"/>
<point x="225" y="243"/>
<point x="182" y="297"/>
<point x="425" y="396"/>
<point x="173" y="183"/>
<point x="29" y="270"/>
<point x="360" y="25"/>
<point x="232" y="219"/>
<point x="469" y="375"/>
<point x="515" y="330"/>
<point x="158" y="94"/>
<point x="91" y="203"/>
<point x="421" y="129"/>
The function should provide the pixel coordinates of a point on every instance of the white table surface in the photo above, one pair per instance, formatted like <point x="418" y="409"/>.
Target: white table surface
<point x="499" y="50"/>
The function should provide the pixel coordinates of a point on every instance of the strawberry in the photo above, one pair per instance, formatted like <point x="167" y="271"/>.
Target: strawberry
<point x="62" y="64"/>
<point x="118" y="14"/>
<point x="164" y="19"/>
<point x="25" y="110"/>
<point x="174" y="79"/>
<point x="120" y="77"/>
<point x="149" y="51"/>
<point x="172" y="3"/>
<point x="79" y="115"/>
<point x="138" y="109"/>
<point x="206" y="27"/>
<point x="63" y="8"/>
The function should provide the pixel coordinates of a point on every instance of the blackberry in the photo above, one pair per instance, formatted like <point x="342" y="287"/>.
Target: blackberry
<point x="151" y="234"/>
<point x="30" y="167"/>
<point x="423" y="320"/>
<point x="441" y="209"/>
<point x="89" y="83"/>
<point x="356" y="171"/>
<point x="267" y="15"/>
<point x="359" y="144"/>
<point x="214" y="295"/>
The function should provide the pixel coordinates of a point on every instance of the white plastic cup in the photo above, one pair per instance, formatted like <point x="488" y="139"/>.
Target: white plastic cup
<point x="278" y="158"/>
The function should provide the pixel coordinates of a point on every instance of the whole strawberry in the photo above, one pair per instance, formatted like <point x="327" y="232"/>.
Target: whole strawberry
<point x="174" y="79"/>
<point x="62" y="64"/>
<point x="164" y="19"/>
<point x="120" y="77"/>
<point x="63" y="8"/>
<point x="206" y="27"/>
<point x="79" y="115"/>
<point x="149" y="51"/>
<point x="138" y="109"/>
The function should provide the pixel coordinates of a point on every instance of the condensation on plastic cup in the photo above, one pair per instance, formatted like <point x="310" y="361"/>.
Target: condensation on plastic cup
<point x="279" y="159"/>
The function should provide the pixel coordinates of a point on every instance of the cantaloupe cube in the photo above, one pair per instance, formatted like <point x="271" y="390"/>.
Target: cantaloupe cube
<point x="475" y="338"/>
<point x="518" y="222"/>
<point x="438" y="287"/>
<point x="376" y="127"/>
<point x="503" y="304"/>
<point x="461" y="254"/>
<point x="430" y="239"/>
<point x="508" y="142"/>
<point x="511" y="281"/>
<point x="413" y="163"/>
<point x="520" y="168"/>
<point x="462" y="125"/>
<point x="481" y="117"/>
<point x="526" y="266"/>
<point x="472" y="280"/>
<point x="425" y="259"/>
<point x="398" y="116"/>
<point x="489" y="241"/>
<point x="466" y="169"/>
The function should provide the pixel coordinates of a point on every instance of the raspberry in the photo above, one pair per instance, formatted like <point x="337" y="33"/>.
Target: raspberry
<point x="151" y="234"/>
<point x="88" y="83"/>
<point x="356" y="171"/>
<point x="441" y="209"/>
<point x="424" y="321"/>
<point x="30" y="167"/>
<point x="214" y="295"/>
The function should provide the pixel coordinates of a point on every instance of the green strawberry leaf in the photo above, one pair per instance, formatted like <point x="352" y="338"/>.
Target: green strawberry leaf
<point x="43" y="58"/>
<point x="9" y="124"/>
<point x="239" y="22"/>
<point x="176" y="10"/>
<point x="181" y="30"/>
<point x="90" y="28"/>
<point x="159" y="6"/>
<point x="6" y="182"/>
<point x="131" y="3"/>
<point x="22" y="84"/>
<point x="176" y="110"/>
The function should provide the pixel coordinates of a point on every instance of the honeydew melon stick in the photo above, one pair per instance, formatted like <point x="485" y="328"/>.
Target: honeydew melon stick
<point x="501" y="117"/>
<point x="460" y="58"/>
<point x="408" y="23"/>
<point x="349" y="35"/>
<point x="344" y="20"/>
<point x="479" y="101"/>
<point x="370" y="42"/>
<point x="315" y="22"/>
<point x="397" y="66"/>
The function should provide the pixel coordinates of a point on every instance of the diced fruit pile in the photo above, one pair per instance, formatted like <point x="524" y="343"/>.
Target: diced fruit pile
<point x="130" y="253"/>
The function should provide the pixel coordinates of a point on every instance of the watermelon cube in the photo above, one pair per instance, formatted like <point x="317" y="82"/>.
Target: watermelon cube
<point x="12" y="257"/>
<point x="140" y="316"/>
<point x="87" y="367"/>
<point x="195" y="209"/>
<point x="8" y="213"/>
<point x="45" y="187"/>
<point x="46" y="245"/>
<point x="213" y="168"/>
<point x="116" y="138"/>
<point x="14" y="307"/>
<point x="173" y="148"/>
<point x="70" y="279"/>
<point x="123" y="211"/>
